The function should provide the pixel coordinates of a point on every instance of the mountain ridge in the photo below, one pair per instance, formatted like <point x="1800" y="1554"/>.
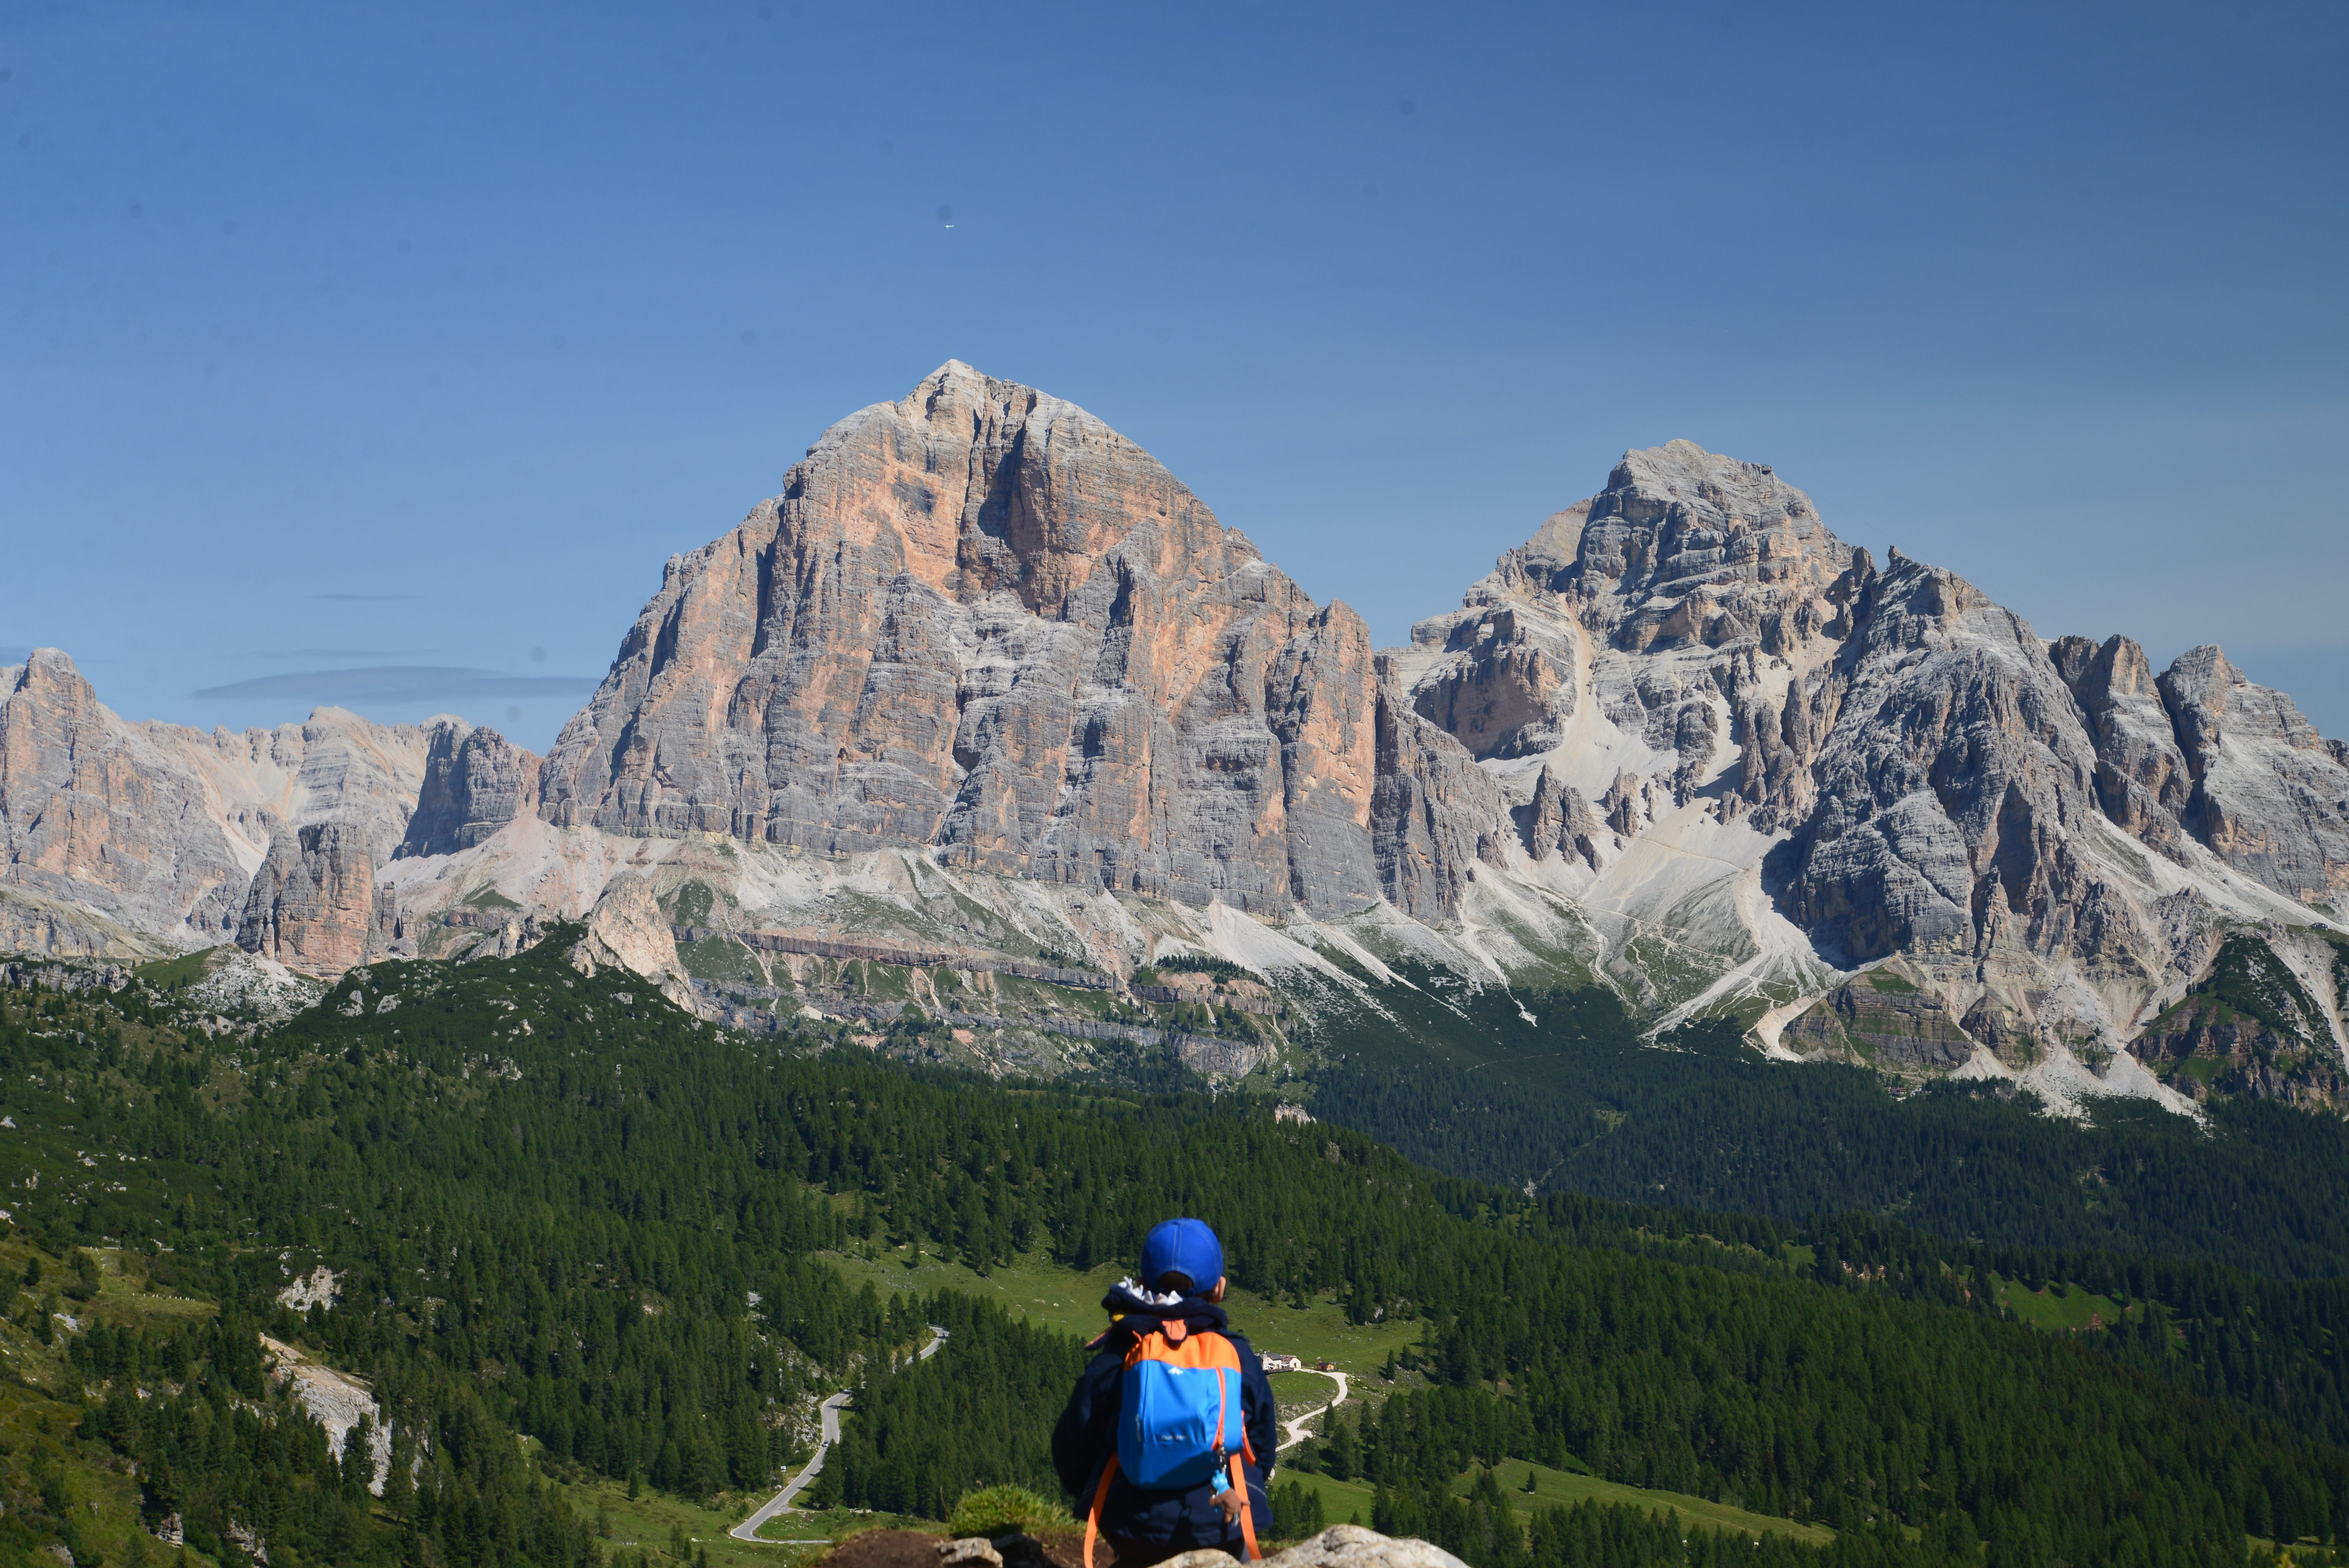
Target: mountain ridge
<point x="985" y="675"/>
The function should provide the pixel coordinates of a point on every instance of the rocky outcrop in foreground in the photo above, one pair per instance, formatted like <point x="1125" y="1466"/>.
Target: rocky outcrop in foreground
<point x="1346" y="1546"/>
<point x="1339" y="1546"/>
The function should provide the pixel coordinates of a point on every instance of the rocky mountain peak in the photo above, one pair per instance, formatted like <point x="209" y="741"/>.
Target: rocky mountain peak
<point x="1672" y="520"/>
<point x="1717" y="565"/>
<point x="979" y="619"/>
<point x="1676" y="516"/>
<point x="2270" y="796"/>
<point x="990" y="486"/>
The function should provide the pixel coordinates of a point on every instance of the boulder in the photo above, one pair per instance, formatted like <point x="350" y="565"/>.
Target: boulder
<point x="1339" y="1546"/>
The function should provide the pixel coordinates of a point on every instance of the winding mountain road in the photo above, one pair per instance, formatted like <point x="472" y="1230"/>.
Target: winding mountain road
<point x="1296" y="1433"/>
<point x="829" y="1433"/>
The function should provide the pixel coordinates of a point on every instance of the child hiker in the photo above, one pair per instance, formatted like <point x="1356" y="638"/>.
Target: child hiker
<point x="1168" y="1439"/>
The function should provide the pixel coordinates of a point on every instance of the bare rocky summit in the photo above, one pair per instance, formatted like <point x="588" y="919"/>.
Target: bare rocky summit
<point x="2271" y="796"/>
<point x="980" y="620"/>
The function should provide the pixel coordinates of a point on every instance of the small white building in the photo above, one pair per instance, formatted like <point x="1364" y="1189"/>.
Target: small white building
<point x="1282" y="1363"/>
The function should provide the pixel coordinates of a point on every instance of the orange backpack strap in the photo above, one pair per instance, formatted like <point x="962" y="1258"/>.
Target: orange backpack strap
<point x="1240" y="1476"/>
<point x="1092" y="1514"/>
<point x="1247" y="1514"/>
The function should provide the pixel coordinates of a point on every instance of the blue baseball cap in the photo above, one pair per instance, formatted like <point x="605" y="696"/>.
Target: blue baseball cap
<point x="1187" y="1247"/>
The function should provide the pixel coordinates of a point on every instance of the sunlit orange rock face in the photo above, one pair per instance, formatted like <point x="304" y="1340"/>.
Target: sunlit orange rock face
<point x="981" y="619"/>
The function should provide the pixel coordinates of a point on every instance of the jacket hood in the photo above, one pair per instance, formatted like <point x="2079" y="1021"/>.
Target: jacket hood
<point x="1135" y="1310"/>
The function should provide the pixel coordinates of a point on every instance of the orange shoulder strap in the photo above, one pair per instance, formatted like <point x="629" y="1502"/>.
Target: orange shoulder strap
<point x="1092" y="1514"/>
<point x="1247" y="1514"/>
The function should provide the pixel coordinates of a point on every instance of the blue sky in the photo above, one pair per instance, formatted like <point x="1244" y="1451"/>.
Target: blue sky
<point x="409" y="342"/>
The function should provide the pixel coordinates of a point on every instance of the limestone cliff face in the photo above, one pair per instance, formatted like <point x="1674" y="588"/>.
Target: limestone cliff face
<point x="1616" y="650"/>
<point x="311" y="906"/>
<point x="333" y="765"/>
<point x="93" y="815"/>
<point x="1434" y="814"/>
<point x="1946" y="783"/>
<point x="2142" y="778"/>
<point x="2271" y="796"/>
<point x="1930" y="779"/>
<point x="475" y="781"/>
<point x="979" y="619"/>
<point x="627" y="930"/>
<point x="115" y="836"/>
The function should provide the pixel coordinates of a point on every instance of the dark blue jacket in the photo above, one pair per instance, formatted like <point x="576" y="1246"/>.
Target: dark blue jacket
<point x="1086" y="1439"/>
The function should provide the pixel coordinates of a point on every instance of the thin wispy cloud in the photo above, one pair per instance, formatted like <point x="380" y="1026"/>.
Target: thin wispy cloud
<point x="396" y="683"/>
<point x="362" y="598"/>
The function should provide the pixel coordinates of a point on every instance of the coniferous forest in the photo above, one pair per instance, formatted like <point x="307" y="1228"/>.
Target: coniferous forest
<point x="562" y="1210"/>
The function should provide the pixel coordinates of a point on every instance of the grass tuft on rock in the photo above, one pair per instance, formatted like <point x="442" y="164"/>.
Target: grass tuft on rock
<point x="993" y="1510"/>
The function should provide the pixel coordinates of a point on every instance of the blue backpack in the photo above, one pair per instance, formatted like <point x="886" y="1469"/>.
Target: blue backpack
<point x="1179" y="1420"/>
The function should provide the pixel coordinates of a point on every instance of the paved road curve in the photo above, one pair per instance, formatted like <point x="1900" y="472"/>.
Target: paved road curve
<point x="1296" y="1433"/>
<point x="830" y="1433"/>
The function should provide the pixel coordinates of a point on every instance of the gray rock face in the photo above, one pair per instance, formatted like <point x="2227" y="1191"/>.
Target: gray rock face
<point x="2142" y="778"/>
<point x="475" y="782"/>
<point x="1945" y="767"/>
<point x="311" y="904"/>
<point x="979" y="619"/>
<point x="1434" y="815"/>
<point x="2270" y="796"/>
<point x="333" y="765"/>
<point x="1630" y="634"/>
<point x="2203" y="752"/>
<point x="1339" y="1546"/>
<point x="117" y="836"/>
<point x="1505" y="686"/>
<point x="1559" y="821"/>
<point x="93" y="814"/>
